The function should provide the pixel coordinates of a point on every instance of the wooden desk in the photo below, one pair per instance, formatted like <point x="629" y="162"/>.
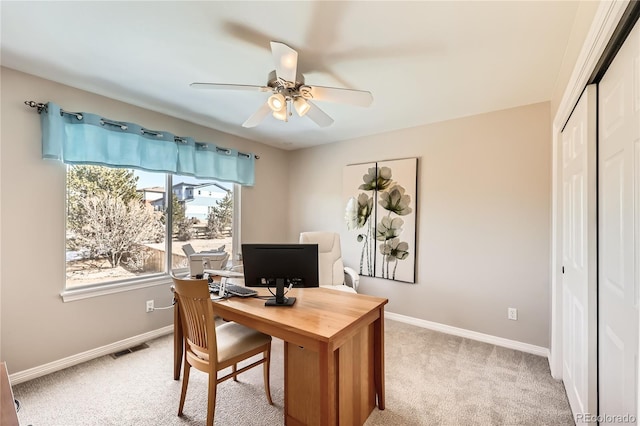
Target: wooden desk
<point x="333" y="352"/>
<point x="8" y="416"/>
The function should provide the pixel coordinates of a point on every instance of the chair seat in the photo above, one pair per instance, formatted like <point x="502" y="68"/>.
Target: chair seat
<point x="234" y="339"/>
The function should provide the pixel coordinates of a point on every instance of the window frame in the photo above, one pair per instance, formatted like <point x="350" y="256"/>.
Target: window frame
<point x="152" y="279"/>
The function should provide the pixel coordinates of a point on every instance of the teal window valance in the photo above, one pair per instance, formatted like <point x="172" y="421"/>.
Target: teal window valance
<point x="85" y="138"/>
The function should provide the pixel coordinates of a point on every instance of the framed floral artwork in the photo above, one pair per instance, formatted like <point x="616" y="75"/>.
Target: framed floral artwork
<point x="380" y="215"/>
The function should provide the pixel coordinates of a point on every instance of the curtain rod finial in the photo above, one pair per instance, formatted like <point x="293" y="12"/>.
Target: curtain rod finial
<point x="40" y="106"/>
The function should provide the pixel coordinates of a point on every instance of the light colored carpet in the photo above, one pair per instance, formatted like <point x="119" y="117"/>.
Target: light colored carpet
<point x="431" y="379"/>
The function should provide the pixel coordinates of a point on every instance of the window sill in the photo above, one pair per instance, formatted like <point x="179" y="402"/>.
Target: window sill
<point x="70" y="295"/>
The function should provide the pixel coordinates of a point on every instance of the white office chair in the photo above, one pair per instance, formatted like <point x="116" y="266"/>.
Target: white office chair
<point x="331" y="270"/>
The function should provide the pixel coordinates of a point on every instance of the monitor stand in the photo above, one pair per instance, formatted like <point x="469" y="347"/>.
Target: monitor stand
<point x="287" y="301"/>
<point x="280" y="300"/>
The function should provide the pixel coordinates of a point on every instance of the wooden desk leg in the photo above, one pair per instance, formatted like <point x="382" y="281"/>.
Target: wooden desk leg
<point x="378" y="358"/>
<point x="328" y="384"/>
<point x="178" y="342"/>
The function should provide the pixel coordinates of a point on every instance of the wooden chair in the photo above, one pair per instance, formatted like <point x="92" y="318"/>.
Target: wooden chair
<point x="211" y="349"/>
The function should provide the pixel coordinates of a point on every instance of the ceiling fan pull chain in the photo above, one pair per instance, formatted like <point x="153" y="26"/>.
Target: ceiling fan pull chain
<point x="288" y="111"/>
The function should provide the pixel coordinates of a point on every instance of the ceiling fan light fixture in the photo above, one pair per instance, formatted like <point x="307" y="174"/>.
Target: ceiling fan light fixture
<point x="280" y="114"/>
<point x="276" y="102"/>
<point x="301" y="106"/>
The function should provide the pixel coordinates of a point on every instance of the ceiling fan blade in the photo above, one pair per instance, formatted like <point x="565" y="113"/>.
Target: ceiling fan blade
<point x="286" y="60"/>
<point x="257" y="116"/>
<point x="346" y="96"/>
<point x="319" y="116"/>
<point x="220" y="86"/>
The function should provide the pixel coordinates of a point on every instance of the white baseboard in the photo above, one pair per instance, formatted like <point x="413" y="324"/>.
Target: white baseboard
<point x="473" y="335"/>
<point x="51" y="367"/>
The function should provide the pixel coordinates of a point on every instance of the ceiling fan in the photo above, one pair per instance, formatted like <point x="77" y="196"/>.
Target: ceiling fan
<point x="289" y="91"/>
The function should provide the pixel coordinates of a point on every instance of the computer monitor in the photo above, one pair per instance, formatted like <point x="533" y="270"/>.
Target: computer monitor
<point x="296" y="264"/>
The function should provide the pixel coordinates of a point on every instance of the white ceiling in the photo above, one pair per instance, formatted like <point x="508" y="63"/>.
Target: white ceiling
<point x="423" y="61"/>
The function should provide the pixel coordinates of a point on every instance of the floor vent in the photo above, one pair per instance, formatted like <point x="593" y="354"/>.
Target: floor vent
<point x="129" y="350"/>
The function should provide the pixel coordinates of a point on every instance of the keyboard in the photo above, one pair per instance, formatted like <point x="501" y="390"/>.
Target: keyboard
<point x="236" y="290"/>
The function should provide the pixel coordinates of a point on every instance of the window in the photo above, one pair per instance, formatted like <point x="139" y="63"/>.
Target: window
<point x="117" y="227"/>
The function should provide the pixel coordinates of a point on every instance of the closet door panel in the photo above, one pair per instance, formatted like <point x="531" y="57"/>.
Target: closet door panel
<point x="618" y="211"/>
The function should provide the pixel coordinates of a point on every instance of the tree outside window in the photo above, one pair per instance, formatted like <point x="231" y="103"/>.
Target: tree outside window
<point x="220" y="217"/>
<point x="116" y="223"/>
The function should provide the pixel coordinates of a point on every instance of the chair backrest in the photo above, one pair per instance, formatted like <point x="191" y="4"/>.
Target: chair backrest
<point x="188" y="250"/>
<point x="196" y="312"/>
<point x="330" y="265"/>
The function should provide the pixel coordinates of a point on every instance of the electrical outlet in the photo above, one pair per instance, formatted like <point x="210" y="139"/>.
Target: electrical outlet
<point x="512" y="314"/>
<point x="150" y="307"/>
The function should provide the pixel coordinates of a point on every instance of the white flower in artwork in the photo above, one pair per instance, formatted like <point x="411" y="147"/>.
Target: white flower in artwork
<point x="351" y="213"/>
<point x="357" y="214"/>
<point x="392" y="251"/>
<point x="389" y="228"/>
<point x="396" y="201"/>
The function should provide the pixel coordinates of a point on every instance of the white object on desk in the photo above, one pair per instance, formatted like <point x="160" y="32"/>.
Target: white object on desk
<point x="224" y="273"/>
<point x="199" y="262"/>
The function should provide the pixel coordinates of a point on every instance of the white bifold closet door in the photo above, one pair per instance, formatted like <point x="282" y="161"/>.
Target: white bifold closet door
<point x="579" y="291"/>
<point x="619" y="233"/>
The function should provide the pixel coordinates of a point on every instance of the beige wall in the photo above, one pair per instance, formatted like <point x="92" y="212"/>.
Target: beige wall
<point x="483" y="222"/>
<point x="483" y="217"/>
<point x="36" y="327"/>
